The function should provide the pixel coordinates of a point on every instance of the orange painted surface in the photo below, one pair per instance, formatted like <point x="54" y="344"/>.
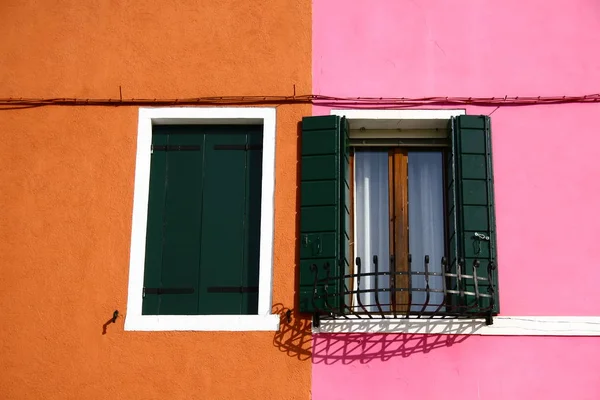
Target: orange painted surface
<point x="66" y="193"/>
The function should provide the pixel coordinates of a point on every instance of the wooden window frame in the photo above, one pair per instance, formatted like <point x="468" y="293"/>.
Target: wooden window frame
<point x="398" y="216"/>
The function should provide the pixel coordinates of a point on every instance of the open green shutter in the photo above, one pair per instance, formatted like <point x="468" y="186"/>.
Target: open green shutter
<point x="451" y="207"/>
<point x="472" y="227"/>
<point x="324" y="211"/>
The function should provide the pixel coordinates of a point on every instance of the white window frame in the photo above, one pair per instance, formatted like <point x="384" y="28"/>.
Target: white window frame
<point x="149" y="117"/>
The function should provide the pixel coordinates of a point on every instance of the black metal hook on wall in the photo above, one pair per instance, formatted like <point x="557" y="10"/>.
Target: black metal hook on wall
<point x="110" y="321"/>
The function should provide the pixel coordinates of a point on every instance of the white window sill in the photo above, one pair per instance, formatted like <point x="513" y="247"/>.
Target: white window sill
<point x="232" y="323"/>
<point x="502" y="326"/>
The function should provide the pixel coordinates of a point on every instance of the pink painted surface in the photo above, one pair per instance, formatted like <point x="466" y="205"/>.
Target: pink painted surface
<point x="411" y="367"/>
<point x="409" y="48"/>
<point x="545" y="157"/>
<point x="547" y="181"/>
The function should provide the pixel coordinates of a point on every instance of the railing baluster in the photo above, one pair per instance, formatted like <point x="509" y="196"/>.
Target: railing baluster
<point x="491" y="286"/>
<point x="491" y="291"/>
<point x="358" y="293"/>
<point x="427" y="294"/>
<point x="315" y="269"/>
<point x="376" y="265"/>
<point x="393" y="278"/>
<point x="459" y="286"/>
<point x="409" y="280"/>
<point x="326" y="287"/>
<point x="443" y="277"/>
<point x="475" y="283"/>
<point x="345" y="291"/>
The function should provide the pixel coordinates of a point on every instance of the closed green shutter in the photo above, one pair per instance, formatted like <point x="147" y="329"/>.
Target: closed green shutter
<point x="471" y="202"/>
<point x="203" y="221"/>
<point x="173" y="234"/>
<point x="250" y="275"/>
<point x="324" y="210"/>
<point x="231" y="222"/>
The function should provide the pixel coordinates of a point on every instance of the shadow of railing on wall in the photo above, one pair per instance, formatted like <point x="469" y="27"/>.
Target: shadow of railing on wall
<point x="294" y="336"/>
<point x="348" y="348"/>
<point x="296" y="339"/>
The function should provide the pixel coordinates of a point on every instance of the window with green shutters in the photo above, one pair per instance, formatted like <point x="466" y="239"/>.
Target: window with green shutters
<point x="203" y="225"/>
<point x="433" y="251"/>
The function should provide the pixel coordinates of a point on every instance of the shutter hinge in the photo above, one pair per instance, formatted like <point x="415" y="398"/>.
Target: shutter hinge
<point x="232" y="289"/>
<point x="305" y="240"/>
<point x="175" y="147"/>
<point x="168" y="291"/>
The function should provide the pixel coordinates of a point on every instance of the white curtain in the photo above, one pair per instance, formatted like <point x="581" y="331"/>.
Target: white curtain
<point x="372" y="223"/>
<point x="426" y="222"/>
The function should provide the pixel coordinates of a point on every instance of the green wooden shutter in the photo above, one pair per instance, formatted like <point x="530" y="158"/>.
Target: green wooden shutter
<point x="250" y="274"/>
<point x="229" y="261"/>
<point x="173" y="227"/>
<point x="203" y="230"/>
<point x="324" y="208"/>
<point x="471" y="200"/>
<point x="451" y="221"/>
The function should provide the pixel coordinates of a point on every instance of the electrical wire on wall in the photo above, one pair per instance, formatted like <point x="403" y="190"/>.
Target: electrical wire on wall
<point x="355" y="102"/>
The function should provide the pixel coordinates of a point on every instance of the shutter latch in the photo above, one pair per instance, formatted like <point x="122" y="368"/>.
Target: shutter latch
<point x="481" y="236"/>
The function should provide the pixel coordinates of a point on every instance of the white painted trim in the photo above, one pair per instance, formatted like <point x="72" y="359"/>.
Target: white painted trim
<point x="401" y="123"/>
<point x="212" y="323"/>
<point x="502" y="326"/>
<point x="399" y="114"/>
<point x="147" y="117"/>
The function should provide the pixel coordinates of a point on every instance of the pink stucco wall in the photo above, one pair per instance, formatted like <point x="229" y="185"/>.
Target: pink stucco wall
<point x="546" y="180"/>
<point x="410" y="48"/>
<point x="407" y="367"/>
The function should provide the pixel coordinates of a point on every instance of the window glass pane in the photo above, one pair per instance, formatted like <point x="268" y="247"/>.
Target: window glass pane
<point x="372" y="224"/>
<point x="426" y="223"/>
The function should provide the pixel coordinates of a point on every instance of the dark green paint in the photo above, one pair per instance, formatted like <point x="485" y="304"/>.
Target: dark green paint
<point x="324" y="206"/>
<point x="204" y="220"/>
<point x="154" y="231"/>
<point x="180" y="233"/>
<point x="471" y="198"/>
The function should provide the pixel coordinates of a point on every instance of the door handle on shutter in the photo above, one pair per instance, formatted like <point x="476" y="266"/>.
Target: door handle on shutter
<point x="318" y="242"/>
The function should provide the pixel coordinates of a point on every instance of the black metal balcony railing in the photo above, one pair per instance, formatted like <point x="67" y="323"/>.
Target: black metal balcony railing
<point x="404" y="294"/>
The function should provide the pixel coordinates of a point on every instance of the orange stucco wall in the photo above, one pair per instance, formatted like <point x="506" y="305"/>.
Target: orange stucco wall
<point x="66" y="190"/>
